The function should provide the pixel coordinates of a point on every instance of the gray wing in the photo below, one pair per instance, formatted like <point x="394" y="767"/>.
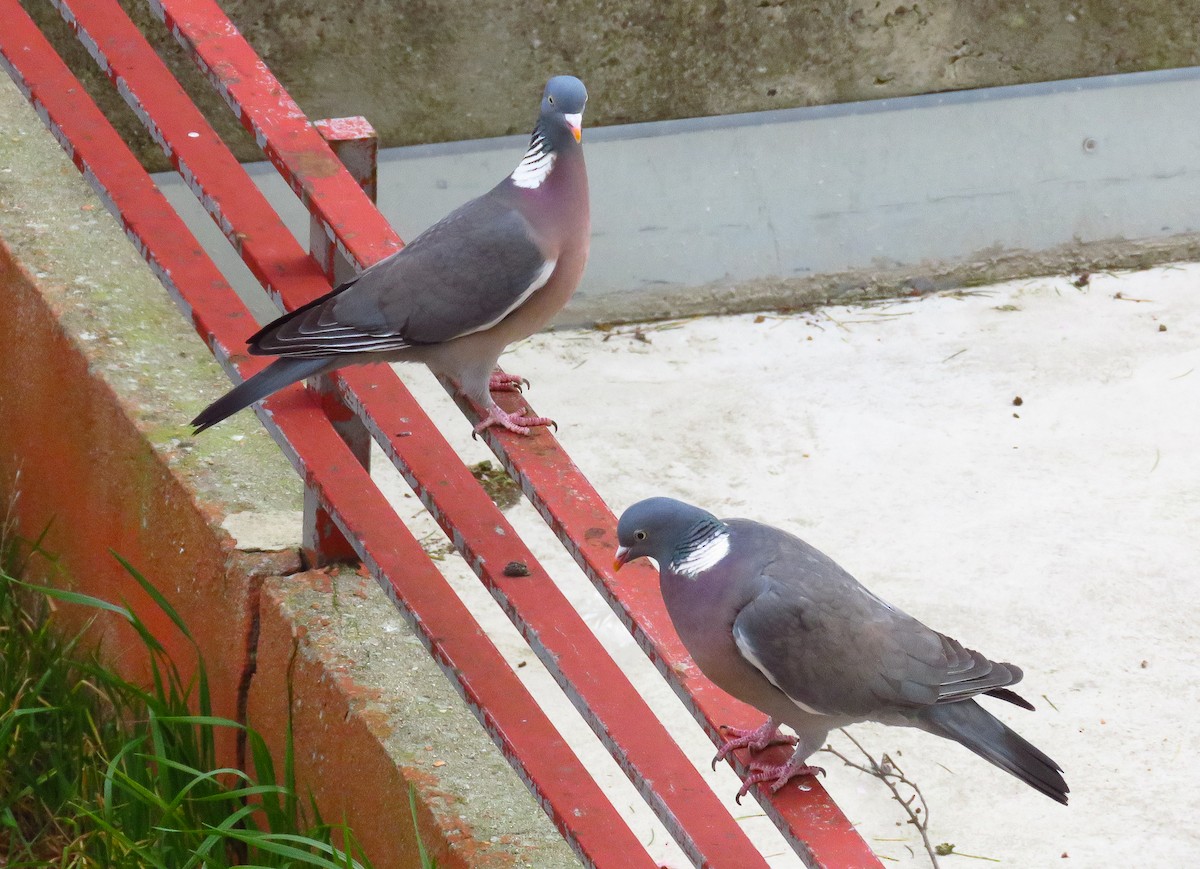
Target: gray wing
<point x="462" y="275"/>
<point x="836" y="649"/>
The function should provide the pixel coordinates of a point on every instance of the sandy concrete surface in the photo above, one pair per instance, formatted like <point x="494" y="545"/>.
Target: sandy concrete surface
<point x="1015" y="465"/>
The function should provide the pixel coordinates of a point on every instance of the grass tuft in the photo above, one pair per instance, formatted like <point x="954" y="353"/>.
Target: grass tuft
<point x="96" y="771"/>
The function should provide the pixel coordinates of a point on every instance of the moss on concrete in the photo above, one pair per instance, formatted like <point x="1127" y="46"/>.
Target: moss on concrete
<point x="346" y="623"/>
<point x="121" y="317"/>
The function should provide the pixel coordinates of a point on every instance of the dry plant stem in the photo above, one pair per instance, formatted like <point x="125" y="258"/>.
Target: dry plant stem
<point x="891" y="775"/>
<point x="8" y="525"/>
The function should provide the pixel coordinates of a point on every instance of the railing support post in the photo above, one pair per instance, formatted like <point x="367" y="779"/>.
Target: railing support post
<point x="356" y="144"/>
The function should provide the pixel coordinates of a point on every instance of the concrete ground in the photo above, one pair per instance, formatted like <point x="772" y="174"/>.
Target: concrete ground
<point x="1015" y="465"/>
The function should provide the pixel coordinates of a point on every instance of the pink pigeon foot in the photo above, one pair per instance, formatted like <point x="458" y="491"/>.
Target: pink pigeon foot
<point x="777" y="774"/>
<point x="755" y="740"/>
<point x="501" y="382"/>
<point x="514" y="422"/>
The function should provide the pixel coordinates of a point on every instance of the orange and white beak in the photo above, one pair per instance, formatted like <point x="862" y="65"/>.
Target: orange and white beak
<point x="621" y="558"/>
<point x="575" y="122"/>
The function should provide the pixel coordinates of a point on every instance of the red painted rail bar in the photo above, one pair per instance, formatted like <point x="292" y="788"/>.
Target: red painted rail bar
<point x="809" y="819"/>
<point x="608" y="702"/>
<point x="279" y="126"/>
<point x="487" y="684"/>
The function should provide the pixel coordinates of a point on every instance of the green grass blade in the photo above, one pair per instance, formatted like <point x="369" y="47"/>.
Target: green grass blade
<point x="426" y="863"/>
<point x="76" y="597"/>
<point x="201" y="721"/>
<point x="124" y="775"/>
<point x="155" y="595"/>
<point x="279" y="845"/>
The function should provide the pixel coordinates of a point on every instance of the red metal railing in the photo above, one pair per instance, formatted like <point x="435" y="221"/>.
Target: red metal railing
<point x="602" y="694"/>
<point x="487" y="684"/>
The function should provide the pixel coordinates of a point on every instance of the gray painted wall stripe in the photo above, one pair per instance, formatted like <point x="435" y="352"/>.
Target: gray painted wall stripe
<point x="901" y="187"/>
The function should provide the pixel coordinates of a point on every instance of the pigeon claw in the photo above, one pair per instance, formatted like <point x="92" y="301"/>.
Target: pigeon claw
<point x="501" y="382"/>
<point x="756" y="740"/>
<point x="518" y="422"/>
<point x="777" y="774"/>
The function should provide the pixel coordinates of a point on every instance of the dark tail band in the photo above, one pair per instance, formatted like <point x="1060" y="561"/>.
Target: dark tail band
<point x="274" y="377"/>
<point x="971" y="725"/>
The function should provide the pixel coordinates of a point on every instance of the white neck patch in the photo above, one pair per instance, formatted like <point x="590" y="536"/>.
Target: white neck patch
<point x="704" y="557"/>
<point x="535" y="166"/>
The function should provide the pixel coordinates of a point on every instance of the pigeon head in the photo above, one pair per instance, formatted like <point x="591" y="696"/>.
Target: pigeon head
<point x="559" y="128"/>
<point x="664" y="529"/>
<point x="562" y="108"/>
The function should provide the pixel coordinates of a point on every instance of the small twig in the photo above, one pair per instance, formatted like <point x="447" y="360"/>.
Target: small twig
<point x="886" y="770"/>
<point x="637" y="331"/>
<point x="952" y="355"/>
<point x="1051" y="702"/>
<point x="836" y="321"/>
<point x="946" y="849"/>
<point x="435" y="545"/>
<point x="880" y="317"/>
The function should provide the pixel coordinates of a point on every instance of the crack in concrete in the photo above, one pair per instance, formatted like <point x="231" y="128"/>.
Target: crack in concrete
<point x="257" y="567"/>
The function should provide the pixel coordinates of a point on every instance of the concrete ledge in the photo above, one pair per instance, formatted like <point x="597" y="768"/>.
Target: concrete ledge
<point x="97" y="381"/>
<point x="374" y="713"/>
<point x="81" y="466"/>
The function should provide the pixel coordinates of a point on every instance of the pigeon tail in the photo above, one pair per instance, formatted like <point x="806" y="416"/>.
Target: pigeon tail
<point x="968" y="723"/>
<point x="275" y="376"/>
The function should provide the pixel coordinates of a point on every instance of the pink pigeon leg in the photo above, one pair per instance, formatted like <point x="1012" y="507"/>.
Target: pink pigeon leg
<point x="777" y="774"/>
<point x="501" y="382"/>
<point x="755" y="740"/>
<point x="514" y="422"/>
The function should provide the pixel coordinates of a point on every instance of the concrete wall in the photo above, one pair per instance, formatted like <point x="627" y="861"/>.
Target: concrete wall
<point x="445" y="70"/>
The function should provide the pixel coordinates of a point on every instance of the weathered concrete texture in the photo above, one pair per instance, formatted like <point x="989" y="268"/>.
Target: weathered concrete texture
<point x="445" y="70"/>
<point x="98" y="378"/>
<point x="118" y="319"/>
<point x="373" y="712"/>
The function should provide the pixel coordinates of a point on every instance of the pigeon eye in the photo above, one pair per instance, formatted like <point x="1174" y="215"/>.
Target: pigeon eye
<point x="640" y="535"/>
<point x="550" y="100"/>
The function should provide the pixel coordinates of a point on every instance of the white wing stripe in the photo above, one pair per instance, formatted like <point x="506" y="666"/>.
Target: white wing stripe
<point x="748" y="653"/>
<point x="539" y="281"/>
